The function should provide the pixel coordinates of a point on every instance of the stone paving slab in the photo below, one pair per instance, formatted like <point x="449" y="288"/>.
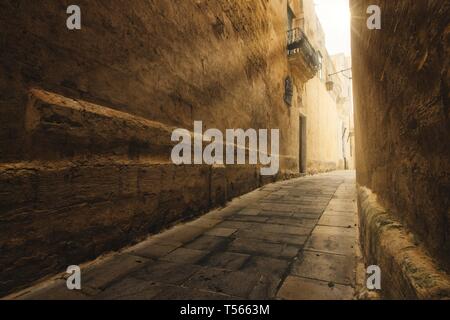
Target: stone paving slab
<point x="344" y="221"/>
<point x="221" y="232"/>
<point x="131" y="289"/>
<point x="208" y="243"/>
<point x="54" y="290"/>
<point x="185" y="255"/>
<point x="204" y="222"/>
<point x="305" y="215"/>
<point x="295" y="288"/>
<point x="153" y="250"/>
<point x="339" y="213"/>
<point x="250" y="212"/>
<point x="183" y="293"/>
<point x="266" y="288"/>
<point x="181" y="234"/>
<point x="279" y="228"/>
<point x="233" y="283"/>
<point x="231" y="261"/>
<point x="293" y="221"/>
<point x="339" y="206"/>
<point x="326" y="267"/>
<point x="272" y="213"/>
<point x="101" y="275"/>
<point x="239" y="225"/>
<point x="245" y="218"/>
<point x="166" y="272"/>
<point x="288" y="240"/>
<point x="309" y="210"/>
<point x="295" y="240"/>
<point x="266" y="266"/>
<point x="334" y="230"/>
<point x="329" y="243"/>
<point x="263" y="248"/>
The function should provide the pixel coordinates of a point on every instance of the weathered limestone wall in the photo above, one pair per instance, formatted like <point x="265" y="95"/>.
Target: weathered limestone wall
<point x="312" y="27"/>
<point x="402" y="117"/>
<point x="407" y="271"/>
<point x="322" y="127"/>
<point x="345" y="107"/>
<point x="84" y="165"/>
<point x="323" y="151"/>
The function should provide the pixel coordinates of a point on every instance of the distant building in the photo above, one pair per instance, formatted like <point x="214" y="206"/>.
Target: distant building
<point x="324" y="93"/>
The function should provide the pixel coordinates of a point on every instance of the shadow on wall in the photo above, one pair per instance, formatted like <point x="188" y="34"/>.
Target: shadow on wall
<point x="402" y="116"/>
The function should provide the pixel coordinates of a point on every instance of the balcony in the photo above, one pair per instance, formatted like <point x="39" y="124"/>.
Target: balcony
<point x="303" y="58"/>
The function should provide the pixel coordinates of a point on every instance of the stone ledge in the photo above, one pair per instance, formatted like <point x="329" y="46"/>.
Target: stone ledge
<point x="60" y="127"/>
<point x="408" y="272"/>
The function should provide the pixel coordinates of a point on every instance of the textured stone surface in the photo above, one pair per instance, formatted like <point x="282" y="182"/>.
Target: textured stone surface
<point x="331" y="243"/>
<point x="408" y="271"/>
<point x="166" y="272"/>
<point x="402" y="114"/>
<point x="210" y="262"/>
<point x="295" y="288"/>
<point x="227" y="260"/>
<point x="184" y="255"/>
<point x="338" y="220"/>
<point x="326" y="267"/>
<point x="101" y="275"/>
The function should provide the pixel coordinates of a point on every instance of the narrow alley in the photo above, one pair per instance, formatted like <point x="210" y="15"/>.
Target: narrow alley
<point x="277" y="150"/>
<point x="288" y="240"/>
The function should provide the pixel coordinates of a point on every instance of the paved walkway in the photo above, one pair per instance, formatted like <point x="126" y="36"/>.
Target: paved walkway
<point x="289" y="240"/>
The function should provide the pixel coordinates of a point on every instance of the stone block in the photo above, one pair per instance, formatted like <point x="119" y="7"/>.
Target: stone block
<point x="99" y="275"/>
<point x="234" y="283"/>
<point x="266" y="266"/>
<point x="295" y="240"/>
<point x="180" y="234"/>
<point x="165" y="272"/>
<point x="131" y="289"/>
<point x="332" y="230"/>
<point x="184" y="255"/>
<point x="261" y="248"/>
<point x="295" y="288"/>
<point x="57" y="290"/>
<point x="226" y="260"/>
<point x="208" y="243"/>
<point x="326" y="267"/>
<point x="343" y="221"/>
<point x="338" y="244"/>
<point x="221" y="232"/>
<point x="152" y="250"/>
<point x="189" y="294"/>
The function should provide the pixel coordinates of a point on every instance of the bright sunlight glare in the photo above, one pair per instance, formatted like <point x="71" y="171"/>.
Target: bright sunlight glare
<point x="334" y="15"/>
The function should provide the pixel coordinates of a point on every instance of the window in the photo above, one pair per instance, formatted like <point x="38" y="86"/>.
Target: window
<point x="288" y="91"/>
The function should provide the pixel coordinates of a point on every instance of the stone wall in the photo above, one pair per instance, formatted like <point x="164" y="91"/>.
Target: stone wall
<point x="407" y="271"/>
<point x="345" y="106"/>
<point x="86" y="117"/>
<point x="401" y="79"/>
<point x="322" y="127"/>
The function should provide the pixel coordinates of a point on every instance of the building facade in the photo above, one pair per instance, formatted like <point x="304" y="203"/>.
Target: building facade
<point x="324" y="96"/>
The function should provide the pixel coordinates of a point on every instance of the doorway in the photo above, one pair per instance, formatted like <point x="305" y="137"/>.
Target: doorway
<point x="302" y="144"/>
